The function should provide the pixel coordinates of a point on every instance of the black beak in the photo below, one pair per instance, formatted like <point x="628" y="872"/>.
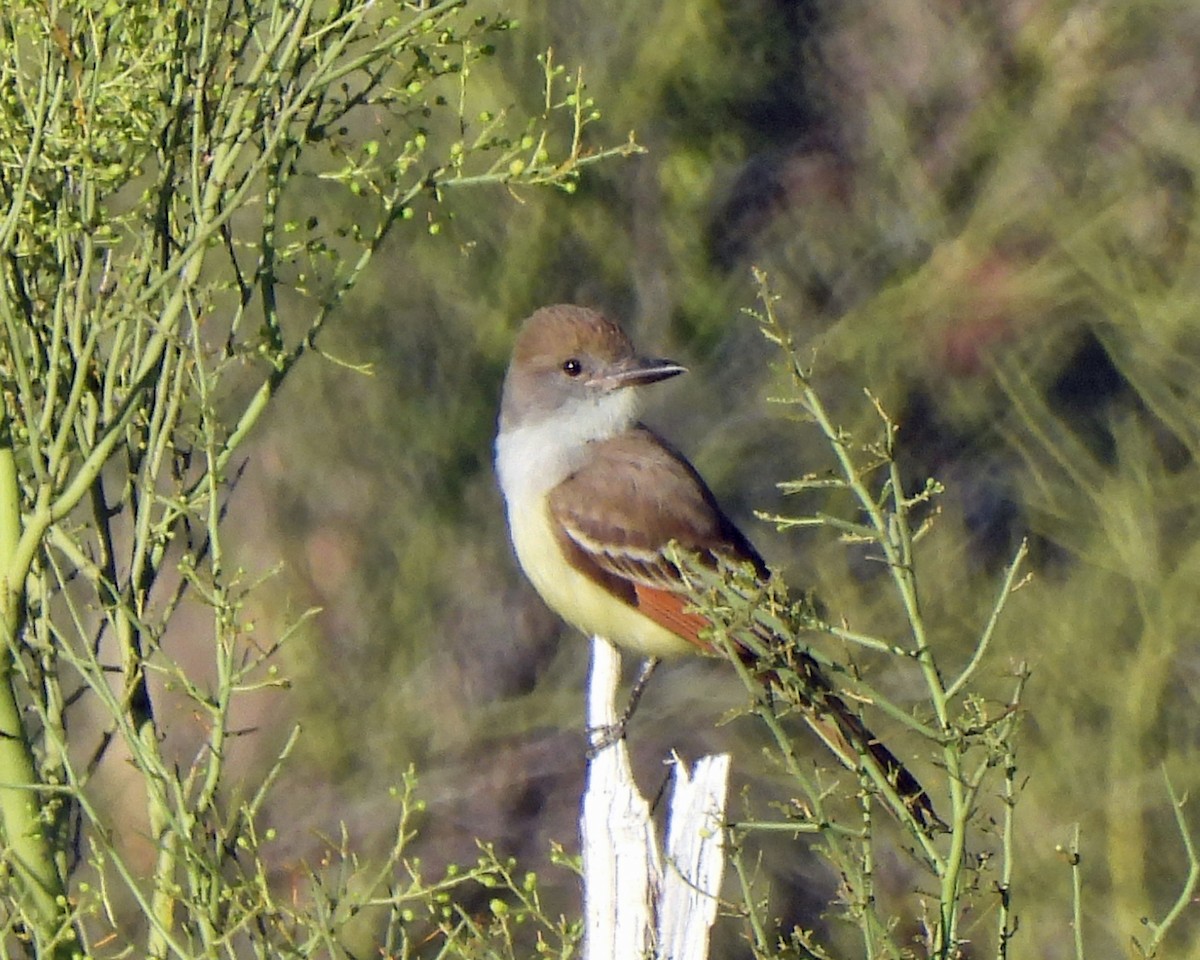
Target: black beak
<point x="637" y="371"/>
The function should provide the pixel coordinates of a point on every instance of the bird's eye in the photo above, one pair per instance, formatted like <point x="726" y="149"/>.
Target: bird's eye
<point x="572" y="367"/>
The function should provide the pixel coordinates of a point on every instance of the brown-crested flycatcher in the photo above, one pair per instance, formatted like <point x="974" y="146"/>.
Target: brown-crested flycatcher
<point x="594" y="498"/>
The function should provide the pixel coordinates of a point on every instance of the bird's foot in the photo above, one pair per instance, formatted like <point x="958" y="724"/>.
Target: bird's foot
<point x="602" y="737"/>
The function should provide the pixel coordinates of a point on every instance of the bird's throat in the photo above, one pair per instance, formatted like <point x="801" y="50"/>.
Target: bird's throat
<point x="542" y="451"/>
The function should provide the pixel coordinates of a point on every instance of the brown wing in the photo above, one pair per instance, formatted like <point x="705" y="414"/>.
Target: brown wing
<point x="619" y="512"/>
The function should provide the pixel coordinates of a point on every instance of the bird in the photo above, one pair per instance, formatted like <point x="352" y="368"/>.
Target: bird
<point x="595" y="500"/>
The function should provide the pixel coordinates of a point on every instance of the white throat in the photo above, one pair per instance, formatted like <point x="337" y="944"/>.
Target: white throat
<point x="540" y="453"/>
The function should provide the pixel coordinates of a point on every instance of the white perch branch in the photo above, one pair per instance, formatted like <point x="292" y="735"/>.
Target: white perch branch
<point x="633" y="907"/>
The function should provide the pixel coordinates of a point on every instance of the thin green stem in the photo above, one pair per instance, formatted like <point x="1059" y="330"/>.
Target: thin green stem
<point x="1187" y="893"/>
<point x="1075" y="860"/>
<point x="989" y="629"/>
<point x="1005" y="922"/>
<point x="757" y="928"/>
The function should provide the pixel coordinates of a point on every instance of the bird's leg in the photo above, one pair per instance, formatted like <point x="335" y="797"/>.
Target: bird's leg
<point x="602" y="737"/>
<point x="639" y="687"/>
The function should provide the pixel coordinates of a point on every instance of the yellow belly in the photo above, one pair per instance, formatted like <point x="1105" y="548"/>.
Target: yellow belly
<point x="576" y="597"/>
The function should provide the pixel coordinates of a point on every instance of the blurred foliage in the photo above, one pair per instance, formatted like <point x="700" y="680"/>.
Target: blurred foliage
<point x="984" y="212"/>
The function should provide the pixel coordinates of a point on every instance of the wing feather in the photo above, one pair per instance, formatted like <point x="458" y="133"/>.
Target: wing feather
<point x="618" y="513"/>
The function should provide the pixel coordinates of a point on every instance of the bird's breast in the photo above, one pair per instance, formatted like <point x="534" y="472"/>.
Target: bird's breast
<point x="576" y="597"/>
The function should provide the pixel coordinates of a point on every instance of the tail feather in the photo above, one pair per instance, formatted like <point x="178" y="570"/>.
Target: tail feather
<point x="908" y="788"/>
<point x="849" y="739"/>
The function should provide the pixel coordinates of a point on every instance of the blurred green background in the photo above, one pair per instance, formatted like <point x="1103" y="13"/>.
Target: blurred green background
<point x="982" y="212"/>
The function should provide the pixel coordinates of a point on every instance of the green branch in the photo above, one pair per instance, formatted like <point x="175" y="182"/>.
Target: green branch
<point x="27" y="848"/>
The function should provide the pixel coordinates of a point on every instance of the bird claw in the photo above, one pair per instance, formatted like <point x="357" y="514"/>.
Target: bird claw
<point x="604" y="736"/>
